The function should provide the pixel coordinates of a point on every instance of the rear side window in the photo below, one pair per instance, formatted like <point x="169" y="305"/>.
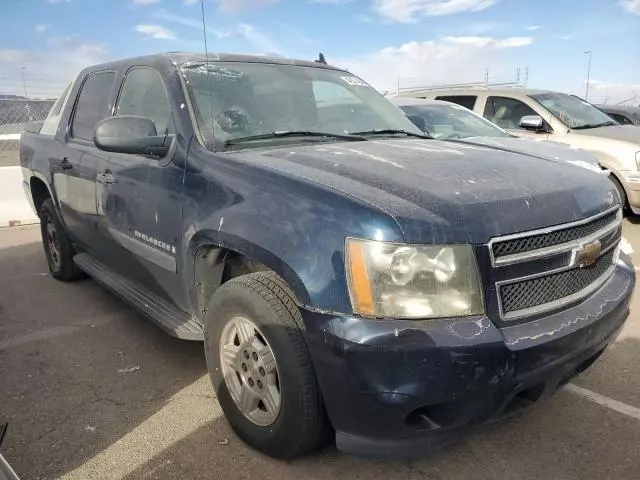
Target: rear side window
<point x="143" y="94"/>
<point x="467" y="101"/>
<point x="92" y="104"/>
<point x="50" y="125"/>
<point x="506" y="112"/>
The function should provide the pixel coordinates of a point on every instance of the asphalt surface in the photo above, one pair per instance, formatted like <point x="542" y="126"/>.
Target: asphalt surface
<point x="94" y="391"/>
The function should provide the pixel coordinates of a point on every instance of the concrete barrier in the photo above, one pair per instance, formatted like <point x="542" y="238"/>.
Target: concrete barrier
<point x="15" y="209"/>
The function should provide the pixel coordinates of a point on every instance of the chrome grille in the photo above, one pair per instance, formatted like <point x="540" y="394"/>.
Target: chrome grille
<point x="549" y="288"/>
<point x="554" y="262"/>
<point x="557" y="237"/>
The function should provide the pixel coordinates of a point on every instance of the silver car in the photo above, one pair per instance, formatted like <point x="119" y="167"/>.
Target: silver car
<point x="449" y="121"/>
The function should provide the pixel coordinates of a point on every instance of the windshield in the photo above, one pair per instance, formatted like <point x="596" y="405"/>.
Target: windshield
<point x="573" y="111"/>
<point x="452" y="121"/>
<point x="235" y="100"/>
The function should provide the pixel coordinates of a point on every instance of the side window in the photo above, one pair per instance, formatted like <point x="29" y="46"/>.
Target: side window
<point x="621" y="119"/>
<point x="506" y="112"/>
<point x="50" y="125"/>
<point x="467" y="101"/>
<point x="143" y="94"/>
<point x="92" y="104"/>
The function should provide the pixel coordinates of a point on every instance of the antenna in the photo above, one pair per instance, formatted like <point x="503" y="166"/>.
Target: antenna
<point x="206" y="56"/>
<point x="321" y="59"/>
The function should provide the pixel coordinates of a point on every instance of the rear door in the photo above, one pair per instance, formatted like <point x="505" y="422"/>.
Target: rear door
<point x="74" y="175"/>
<point x="138" y="196"/>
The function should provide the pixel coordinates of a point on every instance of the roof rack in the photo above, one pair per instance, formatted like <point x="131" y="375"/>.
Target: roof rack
<point x="520" y="80"/>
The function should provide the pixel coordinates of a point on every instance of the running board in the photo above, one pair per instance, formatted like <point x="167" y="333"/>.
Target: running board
<point x="167" y="316"/>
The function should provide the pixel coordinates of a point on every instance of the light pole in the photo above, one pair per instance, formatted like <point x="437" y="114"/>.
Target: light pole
<point x="586" y="95"/>
<point x="24" y="84"/>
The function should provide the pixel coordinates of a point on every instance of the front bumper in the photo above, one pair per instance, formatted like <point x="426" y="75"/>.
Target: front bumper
<point x="396" y="387"/>
<point x="631" y="180"/>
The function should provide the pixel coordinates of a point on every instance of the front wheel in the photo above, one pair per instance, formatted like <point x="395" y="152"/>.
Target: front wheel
<point x="624" y="202"/>
<point x="261" y="369"/>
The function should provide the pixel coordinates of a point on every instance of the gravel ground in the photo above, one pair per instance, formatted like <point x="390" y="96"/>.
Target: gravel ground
<point x="93" y="391"/>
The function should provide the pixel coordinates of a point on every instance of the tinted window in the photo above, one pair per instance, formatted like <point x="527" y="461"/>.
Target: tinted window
<point x="143" y="94"/>
<point x="506" y="112"/>
<point x="621" y="119"/>
<point x="467" y="101"/>
<point x="50" y="125"/>
<point x="92" y="104"/>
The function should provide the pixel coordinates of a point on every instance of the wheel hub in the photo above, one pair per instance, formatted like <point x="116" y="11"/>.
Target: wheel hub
<point x="250" y="371"/>
<point x="53" y="243"/>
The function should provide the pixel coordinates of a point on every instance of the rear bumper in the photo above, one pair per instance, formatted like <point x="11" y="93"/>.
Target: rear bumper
<point x="394" y="387"/>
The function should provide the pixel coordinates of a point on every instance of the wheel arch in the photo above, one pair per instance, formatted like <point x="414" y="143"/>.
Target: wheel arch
<point x="40" y="191"/>
<point x="215" y="257"/>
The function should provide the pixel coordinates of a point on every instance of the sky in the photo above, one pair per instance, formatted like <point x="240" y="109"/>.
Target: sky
<point x="386" y="42"/>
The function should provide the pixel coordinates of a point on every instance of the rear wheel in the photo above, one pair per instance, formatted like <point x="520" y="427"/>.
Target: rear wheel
<point x="57" y="245"/>
<point x="261" y="369"/>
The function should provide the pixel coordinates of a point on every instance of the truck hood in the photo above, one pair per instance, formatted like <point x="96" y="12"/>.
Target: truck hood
<point x="444" y="192"/>
<point x="553" y="151"/>
<point x="625" y="133"/>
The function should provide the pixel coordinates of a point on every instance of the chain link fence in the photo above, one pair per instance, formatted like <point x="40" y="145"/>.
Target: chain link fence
<point x="15" y="115"/>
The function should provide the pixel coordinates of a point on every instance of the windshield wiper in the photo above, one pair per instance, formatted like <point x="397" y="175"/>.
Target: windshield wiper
<point x="594" y="125"/>
<point x="384" y="131"/>
<point x="294" y="133"/>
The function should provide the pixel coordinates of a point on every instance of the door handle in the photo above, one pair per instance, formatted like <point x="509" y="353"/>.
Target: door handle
<point x="107" y="177"/>
<point x="65" y="164"/>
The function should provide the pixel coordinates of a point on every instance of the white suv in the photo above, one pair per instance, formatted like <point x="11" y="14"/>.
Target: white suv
<point x="548" y="115"/>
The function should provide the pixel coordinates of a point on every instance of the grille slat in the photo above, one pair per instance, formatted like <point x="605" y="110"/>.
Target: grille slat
<point x="541" y="290"/>
<point x="542" y="240"/>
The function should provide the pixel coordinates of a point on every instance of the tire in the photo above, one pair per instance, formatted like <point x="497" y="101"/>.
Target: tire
<point x="264" y="300"/>
<point x="57" y="245"/>
<point x="623" y="196"/>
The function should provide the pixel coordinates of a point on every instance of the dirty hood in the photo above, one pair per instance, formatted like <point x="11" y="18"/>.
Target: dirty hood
<point x="446" y="192"/>
<point x="625" y="133"/>
<point x="553" y="151"/>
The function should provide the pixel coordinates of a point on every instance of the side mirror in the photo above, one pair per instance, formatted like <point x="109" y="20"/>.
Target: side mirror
<point x="532" y="122"/>
<point x="131" y="134"/>
<point x="418" y="121"/>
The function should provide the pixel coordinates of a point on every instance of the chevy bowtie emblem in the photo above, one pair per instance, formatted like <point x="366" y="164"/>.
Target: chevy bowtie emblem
<point x="587" y="254"/>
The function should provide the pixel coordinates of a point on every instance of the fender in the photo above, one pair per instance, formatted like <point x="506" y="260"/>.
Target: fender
<point x="28" y="174"/>
<point x="228" y="242"/>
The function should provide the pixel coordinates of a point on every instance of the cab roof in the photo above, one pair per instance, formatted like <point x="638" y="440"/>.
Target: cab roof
<point x="180" y="58"/>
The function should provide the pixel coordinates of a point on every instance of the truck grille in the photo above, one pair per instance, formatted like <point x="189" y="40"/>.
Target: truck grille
<point x="550" y="257"/>
<point x="549" y="288"/>
<point x="557" y="237"/>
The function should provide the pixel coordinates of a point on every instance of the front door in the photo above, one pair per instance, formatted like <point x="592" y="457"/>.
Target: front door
<point x="138" y="196"/>
<point x="74" y="175"/>
<point x="506" y="113"/>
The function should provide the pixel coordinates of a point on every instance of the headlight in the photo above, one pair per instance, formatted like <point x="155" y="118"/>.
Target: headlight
<point x="412" y="281"/>
<point x="638" y="160"/>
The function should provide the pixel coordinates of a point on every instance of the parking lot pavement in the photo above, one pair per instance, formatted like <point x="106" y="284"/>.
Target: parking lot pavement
<point x="92" y="390"/>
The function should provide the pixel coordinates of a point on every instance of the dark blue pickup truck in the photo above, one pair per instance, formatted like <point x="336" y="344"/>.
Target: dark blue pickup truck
<point x="349" y="275"/>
